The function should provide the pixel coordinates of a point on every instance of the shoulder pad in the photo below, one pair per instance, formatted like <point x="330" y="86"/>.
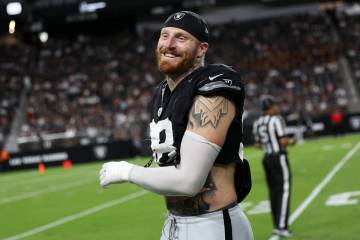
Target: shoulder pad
<point x="218" y="77"/>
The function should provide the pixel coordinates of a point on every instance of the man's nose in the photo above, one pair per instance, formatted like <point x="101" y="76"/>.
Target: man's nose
<point x="169" y="42"/>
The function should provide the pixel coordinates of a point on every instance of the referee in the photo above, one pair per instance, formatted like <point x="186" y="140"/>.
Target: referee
<point x="269" y="132"/>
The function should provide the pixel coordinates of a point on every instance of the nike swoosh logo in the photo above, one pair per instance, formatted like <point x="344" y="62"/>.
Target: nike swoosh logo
<point x="213" y="77"/>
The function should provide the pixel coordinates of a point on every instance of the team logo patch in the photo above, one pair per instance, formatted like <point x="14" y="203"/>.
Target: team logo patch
<point x="228" y="81"/>
<point x="179" y="16"/>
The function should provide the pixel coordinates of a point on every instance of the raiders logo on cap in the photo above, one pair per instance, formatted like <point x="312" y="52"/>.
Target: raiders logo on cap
<point x="206" y="30"/>
<point x="179" y="16"/>
<point x="190" y="22"/>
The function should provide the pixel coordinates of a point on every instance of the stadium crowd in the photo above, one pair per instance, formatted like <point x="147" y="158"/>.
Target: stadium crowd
<point x="294" y="58"/>
<point x="102" y="85"/>
<point x="350" y="32"/>
<point x="94" y="86"/>
<point x="13" y="60"/>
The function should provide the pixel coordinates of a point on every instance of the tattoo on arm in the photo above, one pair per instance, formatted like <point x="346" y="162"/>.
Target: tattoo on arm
<point x="208" y="111"/>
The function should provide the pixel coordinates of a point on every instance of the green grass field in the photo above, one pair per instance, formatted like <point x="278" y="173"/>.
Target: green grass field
<point x="70" y="204"/>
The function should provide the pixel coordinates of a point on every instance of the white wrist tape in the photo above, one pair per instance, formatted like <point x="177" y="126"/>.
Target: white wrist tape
<point x="187" y="179"/>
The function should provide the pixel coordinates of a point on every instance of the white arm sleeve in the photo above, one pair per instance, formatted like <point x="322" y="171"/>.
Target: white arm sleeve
<point x="197" y="158"/>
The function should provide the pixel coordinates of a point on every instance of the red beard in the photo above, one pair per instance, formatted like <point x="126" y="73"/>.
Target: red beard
<point x="169" y="68"/>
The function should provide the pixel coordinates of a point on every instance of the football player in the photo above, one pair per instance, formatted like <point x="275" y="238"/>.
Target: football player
<point x="196" y="139"/>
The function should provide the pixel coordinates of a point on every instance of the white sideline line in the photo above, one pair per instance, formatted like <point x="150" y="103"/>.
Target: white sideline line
<point x="317" y="190"/>
<point x="322" y="184"/>
<point x="44" y="178"/>
<point x="8" y="179"/>
<point x="33" y="177"/>
<point x="76" y="216"/>
<point x="37" y="193"/>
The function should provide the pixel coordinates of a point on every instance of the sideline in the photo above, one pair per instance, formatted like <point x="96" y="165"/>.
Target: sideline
<point x="44" y="191"/>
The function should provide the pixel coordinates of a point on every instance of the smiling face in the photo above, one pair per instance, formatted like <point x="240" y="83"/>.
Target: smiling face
<point x="177" y="51"/>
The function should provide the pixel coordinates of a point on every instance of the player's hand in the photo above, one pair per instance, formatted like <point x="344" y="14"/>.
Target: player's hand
<point x="114" y="172"/>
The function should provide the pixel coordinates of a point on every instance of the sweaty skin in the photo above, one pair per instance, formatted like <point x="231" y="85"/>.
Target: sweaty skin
<point x="210" y="117"/>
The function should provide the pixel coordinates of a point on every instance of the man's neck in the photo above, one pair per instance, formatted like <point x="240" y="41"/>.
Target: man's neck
<point x="174" y="80"/>
<point x="271" y="113"/>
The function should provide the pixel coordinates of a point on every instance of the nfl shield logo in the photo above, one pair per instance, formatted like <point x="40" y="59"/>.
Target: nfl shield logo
<point x="100" y="151"/>
<point x="179" y="16"/>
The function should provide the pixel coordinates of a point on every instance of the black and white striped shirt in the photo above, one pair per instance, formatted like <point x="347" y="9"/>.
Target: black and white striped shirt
<point x="268" y="130"/>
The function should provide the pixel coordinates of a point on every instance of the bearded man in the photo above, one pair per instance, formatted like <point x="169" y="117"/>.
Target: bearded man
<point x="196" y="139"/>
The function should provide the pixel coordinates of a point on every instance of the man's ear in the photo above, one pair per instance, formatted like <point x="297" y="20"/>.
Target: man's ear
<point x="203" y="47"/>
